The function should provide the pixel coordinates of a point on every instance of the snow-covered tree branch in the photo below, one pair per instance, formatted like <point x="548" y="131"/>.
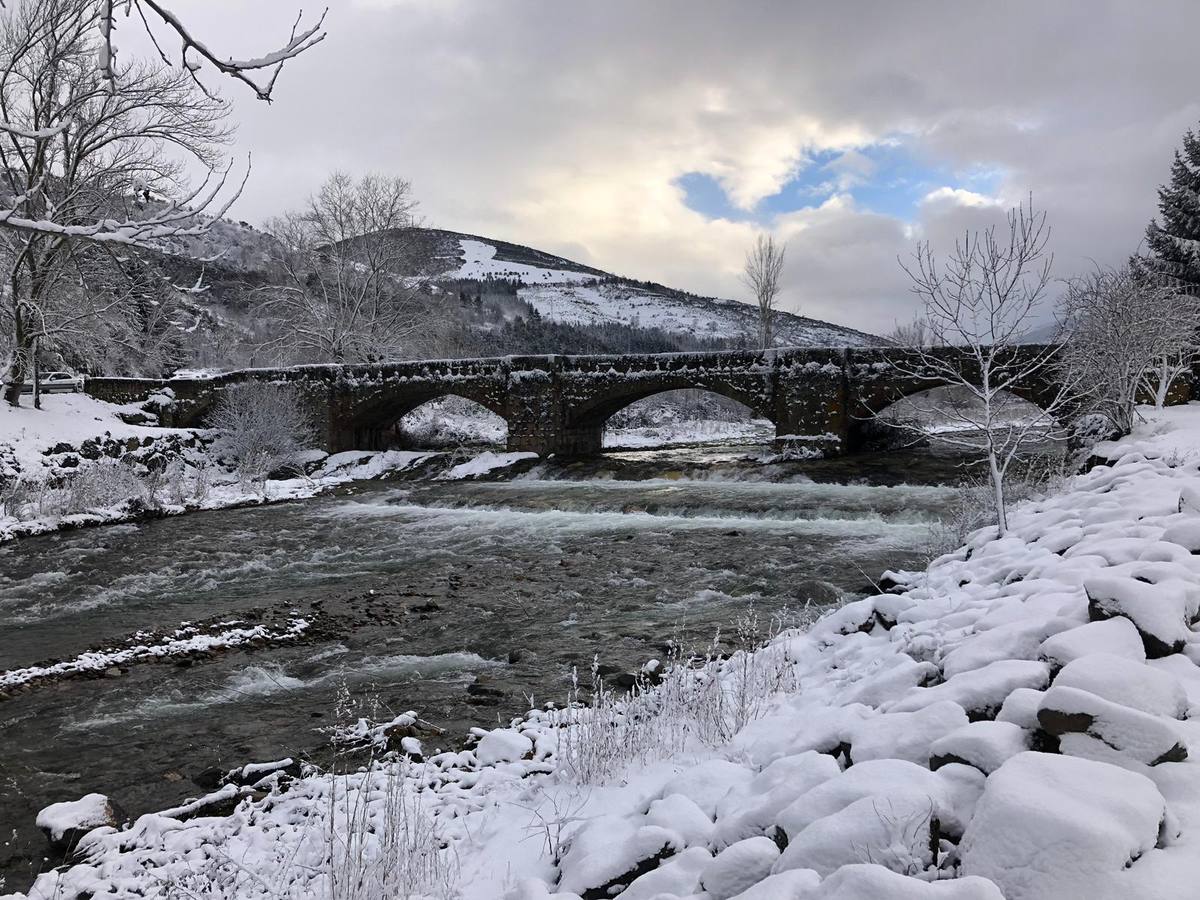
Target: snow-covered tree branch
<point x="82" y="167"/>
<point x="155" y="18"/>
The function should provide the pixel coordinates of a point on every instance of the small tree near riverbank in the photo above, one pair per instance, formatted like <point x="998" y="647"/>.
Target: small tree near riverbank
<point x="983" y="298"/>
<point x="262" y="426"/>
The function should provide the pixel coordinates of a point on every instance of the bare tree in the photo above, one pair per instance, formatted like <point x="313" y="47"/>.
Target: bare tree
<point x="763" y="268"/>
<point x="912" y="334"/>
<point x="981" y="305"/>
<point x="348" y="263"/>
<point x="98" y="178"/>
<point x="262" y="427"/>
<point x="1130" y="335"/>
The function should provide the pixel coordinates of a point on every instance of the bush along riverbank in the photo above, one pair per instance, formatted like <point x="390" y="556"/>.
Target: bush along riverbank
<point x="1018" y="721"/>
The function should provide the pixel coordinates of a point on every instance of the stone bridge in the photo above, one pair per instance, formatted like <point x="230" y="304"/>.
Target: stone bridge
<point x="559" y="404"/>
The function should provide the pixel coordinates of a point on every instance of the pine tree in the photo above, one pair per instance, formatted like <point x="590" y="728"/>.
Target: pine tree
<point x="1174" y="245"/>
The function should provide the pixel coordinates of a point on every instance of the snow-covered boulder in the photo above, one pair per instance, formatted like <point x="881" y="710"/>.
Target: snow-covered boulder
<point x="865" y="881"/>
<point x="502" y="745"/>
<point x="905" y="735"/>
<point x="789" y="885"/>
<point x="1117" y="636"/>
<point x="1138" y="735"/>
<point x="708" y="783"/>
<point x="886" y="778"/>
<point x="738" y="867"/>
<point x="1013" y="640"/>
<point x="678" y="876"/>
<point x="893" y="678"/>
<point x="773" y="789"/>
<point x="65" y="823"/>
<point x="1050" y="827"/>
<point x="1160" y="611"/>
<point x="1121" y="680"/>
<point x="610" y="850"/>
<point x="1186" y="531"/>
<point x="984" y="745"/>
<point x="981" y="692"/>
<point x="682" y="816"/>
<point x="1020" y="707"/>
<point x="897" y="830"/>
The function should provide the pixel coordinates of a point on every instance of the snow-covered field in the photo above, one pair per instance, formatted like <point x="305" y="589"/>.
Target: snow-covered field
<point x="1014" y="722"/>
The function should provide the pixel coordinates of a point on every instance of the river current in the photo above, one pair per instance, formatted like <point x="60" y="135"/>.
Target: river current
<point x="426" y="588"/>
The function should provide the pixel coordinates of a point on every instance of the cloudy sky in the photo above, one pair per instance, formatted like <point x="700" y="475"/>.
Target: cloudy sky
<point x="653" y="138"/>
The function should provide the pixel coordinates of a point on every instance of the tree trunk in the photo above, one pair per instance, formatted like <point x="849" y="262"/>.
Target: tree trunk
<point x="37" y="377"/>
<point x="19" y="367"/>
<point x="1164" y="385"/>
<point x="998" y="492"/>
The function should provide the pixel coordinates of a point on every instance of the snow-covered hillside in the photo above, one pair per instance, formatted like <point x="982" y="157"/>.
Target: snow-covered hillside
<point x="565" y="291"/>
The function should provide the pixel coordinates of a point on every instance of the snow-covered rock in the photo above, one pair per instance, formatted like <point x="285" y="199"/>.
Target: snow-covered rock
<point x="1160" y="611"/>
<point x="984" y="745"/>
<point x="905" y="735"/>
<point x="773" y="789"/>
<point x="708" y="783"/>
<point x="1118" y="636"/>
<point x="738" y="867"/>
<point x="502" y="745"/>
<point x="1121" y="680"/>
<point x="612" y="851"/>
<point x="981" y="692"/>
<point x="1138" y="735"/>
<point x="65" y="823"/>
<point x="875" y="882"/>
<point x="1050" y="827"/>
<point x="682" y="815"/>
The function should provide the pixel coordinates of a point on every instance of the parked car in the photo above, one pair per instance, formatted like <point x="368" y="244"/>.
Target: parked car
<point x="55" y="383"/>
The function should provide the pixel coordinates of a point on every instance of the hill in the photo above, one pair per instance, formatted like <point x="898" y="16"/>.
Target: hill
<point x="570" y="293"/>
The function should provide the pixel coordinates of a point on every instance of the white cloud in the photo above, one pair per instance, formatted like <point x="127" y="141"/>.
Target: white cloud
<point x="959" y="197"/>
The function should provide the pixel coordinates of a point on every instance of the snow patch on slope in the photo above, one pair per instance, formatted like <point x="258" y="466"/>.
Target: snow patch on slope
<point x="479" y="262"/>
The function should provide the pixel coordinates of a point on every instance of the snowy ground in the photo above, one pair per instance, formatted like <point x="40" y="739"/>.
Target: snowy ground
<point x="701" y="431"/>
<point x="1015" y="722"/>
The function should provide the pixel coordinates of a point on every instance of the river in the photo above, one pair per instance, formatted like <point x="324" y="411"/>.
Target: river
<point x="424" y="589"/>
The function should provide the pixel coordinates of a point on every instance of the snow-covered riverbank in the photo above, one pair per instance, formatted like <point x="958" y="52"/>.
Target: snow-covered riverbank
<point x="1015" y="722"/>
<point x="75" y="463"/>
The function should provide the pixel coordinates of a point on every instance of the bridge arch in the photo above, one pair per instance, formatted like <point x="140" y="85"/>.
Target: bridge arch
<point x="587" y="418"/>
<point x="448" y="421"/>
<point x="374" y="421"/>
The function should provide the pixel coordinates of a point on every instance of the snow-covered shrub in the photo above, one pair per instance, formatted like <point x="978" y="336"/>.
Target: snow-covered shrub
<point x="105" y="483"/>
<point x="382" y="841"/>
<point x="262" y="426"/>
<point x="707" y="699"/>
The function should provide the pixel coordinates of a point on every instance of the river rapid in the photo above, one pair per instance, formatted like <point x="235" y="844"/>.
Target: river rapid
<point x="424" y="589"/>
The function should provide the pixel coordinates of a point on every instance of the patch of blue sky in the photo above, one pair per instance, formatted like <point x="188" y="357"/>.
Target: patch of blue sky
<point x="887" y="178"/>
